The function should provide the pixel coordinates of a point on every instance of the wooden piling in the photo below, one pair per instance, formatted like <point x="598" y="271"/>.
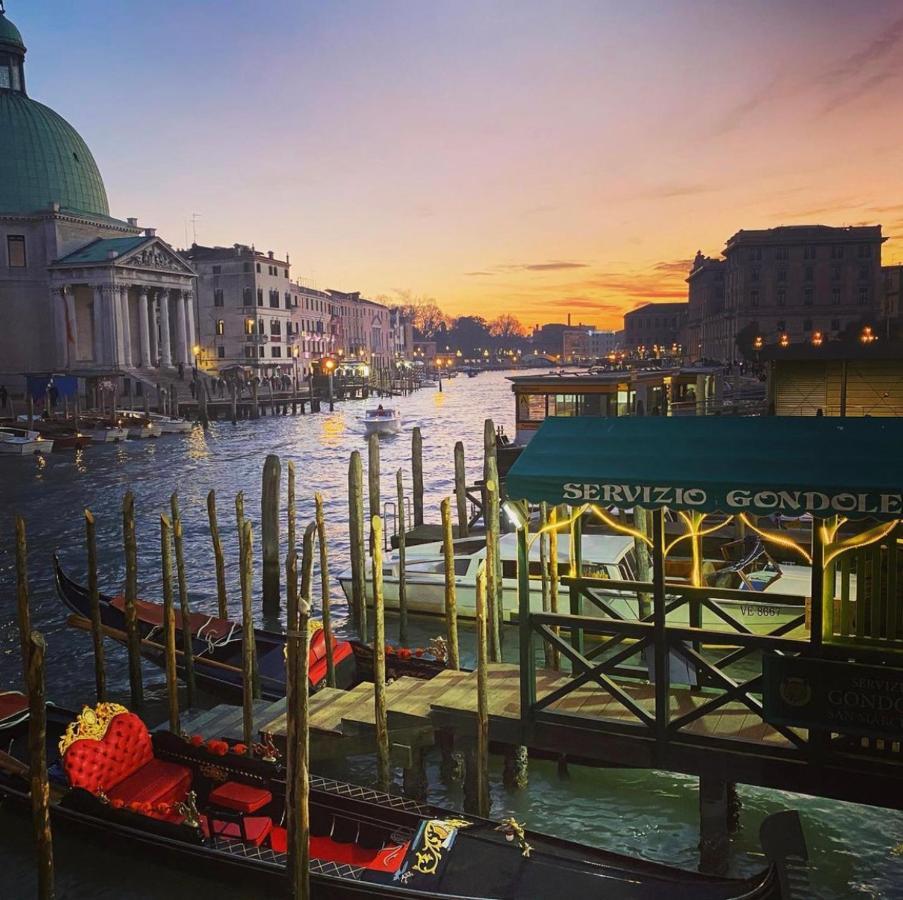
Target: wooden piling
<point x="643" y="559"/>
<point x="219" y="558"/>
<point x="307" y="561"/>
<point x="402" y="586"/>
<point x="451" y="601"/>
<point x="292" y="514"/>
<point x="22" y="608"/>
<point x="100" y="675"/>
<point x="169" y="625"/>
<point x="269" y="532"/>
<point x="356" y="537"/>
<point x="548" y="649"/>
<point x="297" y="731"/>
<point x="133" y="640"/>
<point x="379" y="659"/>
<point x="373" y="479"/>
<point x="324" y="587"/>
<point x="417" y="473"/>
<point x="553" y="578"/>
<point x="240" y="519"/>
<point x="233" y="404"/>
<point x="482" y="755"/>
<point x="461" y="490"/>
<point x="250" y="686"/>
<point x="492" y="560"/>
<point x="37" y="761"/>
<point x="255" y="395"/>
<point x="184" y="609"/>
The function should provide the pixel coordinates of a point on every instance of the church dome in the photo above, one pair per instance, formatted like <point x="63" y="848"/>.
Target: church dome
<point x="43" y="159"/>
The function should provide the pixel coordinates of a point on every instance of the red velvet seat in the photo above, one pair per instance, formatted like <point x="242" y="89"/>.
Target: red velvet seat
<point x="114" y="754"/>
<point x="243" y="798"/>
<point x="252" y="830"/>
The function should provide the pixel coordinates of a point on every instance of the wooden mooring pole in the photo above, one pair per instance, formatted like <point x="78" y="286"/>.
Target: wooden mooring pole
<point x="250" y="686"/>
<point x="133" y="640"/>
<point x="548" y="649"/>
<point x="24" y="614"/>
<point x="219" y="558"/>
<point x="451" y="601"/>
<point x="240" y="520"/>
<point x="482" y="755"/>
<point x="373" y="479"/>
<point x="402" y="586"/>
<point x="37" y="761"/>
<point x="269" y="531"/>
<point x="169" y="625"/>
<point x="100" y="675"/>
<point x="417" y="474"/>
<point x="291" y="511"/>
<point x="320" y="519"/>
<point x="553" y="579"/>
<point x="356" y="539"/>
<point x="461" y="490"/>
<point x="492" y="568"/>
<point x="297" y="739"/>
<point x="379" y="659"/>
<point x="184" y="608"/>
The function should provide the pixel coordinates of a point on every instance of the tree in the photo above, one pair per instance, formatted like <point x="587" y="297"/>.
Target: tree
<point x="506" y="327"/>
<point x="470" y="335"/>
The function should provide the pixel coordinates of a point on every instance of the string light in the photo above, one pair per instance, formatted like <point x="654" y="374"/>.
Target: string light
<point x="864" y="539"/>
<point x="780" y="539"/>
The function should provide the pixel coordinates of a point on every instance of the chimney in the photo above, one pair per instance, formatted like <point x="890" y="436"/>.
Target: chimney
<point x="270" y="254"/>
<point x="133" y="222"/>
<point x="569" y="320"/>
<point x="150" y="232"/>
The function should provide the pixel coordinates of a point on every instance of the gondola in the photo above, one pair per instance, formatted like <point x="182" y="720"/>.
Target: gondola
<point x="217" y="647"/>
<point x="217" y="808"/>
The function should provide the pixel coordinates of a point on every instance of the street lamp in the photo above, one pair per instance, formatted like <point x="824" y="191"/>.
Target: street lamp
<point x="817" y="339"/>
<point x="329" y="366"/>
<point x="784" y="340"/>
<point x="867" y="336"/>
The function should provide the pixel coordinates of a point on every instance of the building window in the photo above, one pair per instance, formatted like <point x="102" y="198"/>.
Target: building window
<point x="782" y="275"/>
<point x="807" y="324"/>
<point x="837" y="253"/>
<point x="260" y="296"/>
<point x="217" y="270"/>
<point x="864" y="273"/>
<point x="275" y="327"/>
<point x="218" y="297"/>
<point x="274" y="299"/>
<point x="250" y="352"/>
<point x="247" y="297"/>
<point x="276" y="352"/>
<point x="246" y="267"/>
<point x="810" y="273"/>
<point x="863" y="296"/>
<point x="782" y="325"/>
<point x="782" y="298"/>
<point x="754" y="299"/>
<point x="809" y="253"/>
<point x="260" y="351"/>
<point x="15" y="251"/>
<point x="835" y="324"/>
<point x="220" y="326"/>
<point x="835" y="273"/>
<point x="808" y="297"/>
<point x="835" y="296"/>
<point x="754" y="275"/>
<point x="782" y="253"/>
<point x="258" y="268"/>
<point x="221" y="352"/>
<point x="288" y="300"/>
<point x="285" y="273"/>
<point x="249" y="326"/>
<point x="865" y="251"/>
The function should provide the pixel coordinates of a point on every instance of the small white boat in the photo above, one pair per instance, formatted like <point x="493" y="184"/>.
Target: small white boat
<point x="23" y="443"/>
<point x="106" y="434"/>
<point x="382" y="420"/>
<point x="604" y="556"/>
<point x="139" y="425"/>
<point x="171" y="424"/>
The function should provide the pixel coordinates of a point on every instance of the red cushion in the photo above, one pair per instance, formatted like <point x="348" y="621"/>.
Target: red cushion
<point x="241" y="797"/>
<point x="256" y="829"/>
<point x="156" y="782"/>
<point x="318" y="668"/>
<point x="386" y="860"/>
<point x="94" y="764"/>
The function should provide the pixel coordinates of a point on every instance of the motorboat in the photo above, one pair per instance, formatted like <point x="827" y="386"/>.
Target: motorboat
<point x="604" y="556"/>
<point x="139" y="425"/>
<point x="382" y="420"/>
<point x="170" y="424"/>
<point x="218" y="806"/>
<point x="63" y="433"/>
<point x="102" y="432"/>
<point x="22" y="442"/>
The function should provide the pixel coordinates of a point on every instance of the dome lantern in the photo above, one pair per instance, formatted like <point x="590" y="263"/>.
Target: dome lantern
<point x="12" y="55"/>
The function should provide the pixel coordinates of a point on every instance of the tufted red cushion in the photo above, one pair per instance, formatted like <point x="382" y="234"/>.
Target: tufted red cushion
<point x="125" y="748"/>
<point x="155" y="782"/>
<point x="244" y="798"/>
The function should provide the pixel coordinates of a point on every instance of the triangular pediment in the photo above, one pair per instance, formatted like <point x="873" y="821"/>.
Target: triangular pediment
<point x="156" y="255"/>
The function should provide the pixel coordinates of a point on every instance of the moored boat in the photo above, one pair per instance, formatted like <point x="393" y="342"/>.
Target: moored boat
<point x="382" y="420"/>
<point x="22" y="442"/>
<point x="65" y="436"/>
<point x="139" y="425"/>
<point x="219" y="807"/>
<point x="102" y="431"/>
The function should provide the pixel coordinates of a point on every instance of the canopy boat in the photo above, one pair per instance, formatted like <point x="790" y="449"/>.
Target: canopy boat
<point x="219" y="807"/>
<point x="382" y="421"/>
<point x="139" y="425"/>
<point x="604" y="556"/>
<point x="22" y="442"/>
<point x="217" y="647"/>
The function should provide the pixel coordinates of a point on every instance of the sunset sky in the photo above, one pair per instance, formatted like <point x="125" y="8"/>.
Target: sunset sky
<point x="534" y="158"/>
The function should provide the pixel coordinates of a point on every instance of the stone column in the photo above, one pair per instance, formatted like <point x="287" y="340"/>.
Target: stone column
<point x="69" y="299"/>
<point x="58" y="316"/>
<point x="165" y="342"/>
<point x="189" y="321"/>
<point x="144" y="329"/>
<point x="112" y="326"/>
<point x="181" y="334"/>
<point x="98" y="326"/>
<point x="126" y="325"/>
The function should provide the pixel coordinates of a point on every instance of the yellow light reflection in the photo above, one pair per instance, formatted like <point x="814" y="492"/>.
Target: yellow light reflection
<point x="780" y="539"/>
<point x="864" y="539"/>
<point x="332" y="430"/>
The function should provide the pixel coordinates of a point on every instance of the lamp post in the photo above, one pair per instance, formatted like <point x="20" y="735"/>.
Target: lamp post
<point x="330" y="365"/>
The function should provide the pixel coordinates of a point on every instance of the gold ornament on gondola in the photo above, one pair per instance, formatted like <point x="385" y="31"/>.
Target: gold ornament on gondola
<point x="91" y="724"/>
<point x="514" y="831"/>
<point x="437" y="835"/>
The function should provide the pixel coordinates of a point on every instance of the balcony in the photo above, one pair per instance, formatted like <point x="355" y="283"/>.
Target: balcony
<point x="256" y="338"/>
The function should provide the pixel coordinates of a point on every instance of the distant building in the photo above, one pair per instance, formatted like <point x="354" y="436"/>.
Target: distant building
<point x="316" y="326"/>
<point x="892" y="302"/>
<point x="655" y="326"/>
<point x="369" y="331"/>
<point x="587" y="344"/>
<point x="245" y="308"/>
<point x="790" y="281"/>
<point x="548" y="339"/>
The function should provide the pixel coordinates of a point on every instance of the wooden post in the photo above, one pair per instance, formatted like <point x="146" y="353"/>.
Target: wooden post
<point x="492" y="571"/>
<point x="136" y="687"/>
<point x="373" y="479"/>
<point x="402" y="587"/>
<point x="255" y="394"/>
<point x="358" y="555"/>
<point x="482" y="756"/>
<point x="250" y="686"/>
<point x="461" y="490"/>
<point x="100" y="676"/>
<point x="417" y="473"/>
<point x="553" y="579"/>
<point x="37" y="761"/>
<point x="184" y="609"/>
<point x="22" y="595"/>
<point x="30" y="410"/>
<point x="451" y="600"/>
<point x="240" y="521"/>
<point x="548" y="649"/>
<point x="660" y="651"/>
<point x="307" y="561"/>
<point x="643" y="561"/>
<point x="714" y="840"/>
<point x="233" y="403"/>
<point x="291" y="508"/>
<point x="297" y="729"/>
<point x="269" y="531"/>
<point x="379" y="659"/>
<point x="220" y="561"/>
<point x="324" y="587"/>
<point x="169" y="625"/>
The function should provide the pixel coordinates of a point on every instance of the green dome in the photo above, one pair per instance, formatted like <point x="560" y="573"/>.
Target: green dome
<point x="9" y="34"/>
<point x="43" y="160"/>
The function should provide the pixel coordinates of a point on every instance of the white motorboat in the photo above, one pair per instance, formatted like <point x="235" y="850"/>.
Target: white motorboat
<point x="106" y="434"/>
<point x="382" y="420"/>
<point x="604" y="556"/>
<point x="23" y="443"/>
<point x="171" y="424"/>
<point x="139" y="425"/>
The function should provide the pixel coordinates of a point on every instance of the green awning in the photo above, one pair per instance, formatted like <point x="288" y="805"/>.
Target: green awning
<point x="787" y="465"/>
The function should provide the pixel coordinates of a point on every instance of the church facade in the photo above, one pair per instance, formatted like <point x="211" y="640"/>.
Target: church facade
<point x="81" y="292"/>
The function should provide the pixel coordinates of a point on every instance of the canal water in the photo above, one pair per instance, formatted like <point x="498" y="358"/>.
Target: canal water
<point x="641" y="813"/>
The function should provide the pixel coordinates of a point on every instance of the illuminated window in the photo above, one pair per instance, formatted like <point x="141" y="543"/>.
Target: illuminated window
<point x="15" y="251"/>
<point x="220" y="326"/>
